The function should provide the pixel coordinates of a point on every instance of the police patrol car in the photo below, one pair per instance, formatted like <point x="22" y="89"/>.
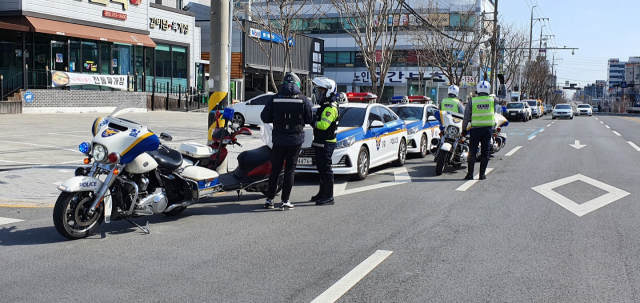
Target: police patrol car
<point x="369" y="135"/>
<point x="418" y="114"/>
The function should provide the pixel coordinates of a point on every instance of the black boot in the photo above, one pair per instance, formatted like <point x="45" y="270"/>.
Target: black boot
<point x="471" y="162"/>
<point x="483" y="168"/>
<point x="327" y="199"/>
<point x="320" y="193"/>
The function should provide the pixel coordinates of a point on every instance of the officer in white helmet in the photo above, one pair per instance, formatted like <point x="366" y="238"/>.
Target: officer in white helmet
<point x="480" y="114"/>
<point x="452" y="103"/>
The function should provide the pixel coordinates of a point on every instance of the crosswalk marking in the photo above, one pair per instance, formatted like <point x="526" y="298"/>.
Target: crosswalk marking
<point x="8" y="220"/>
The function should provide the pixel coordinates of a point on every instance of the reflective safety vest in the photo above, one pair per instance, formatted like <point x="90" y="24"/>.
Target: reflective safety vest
<point x="326" y="124"/>
<point x="450" y="104"/>
<point x="482" y="111"/>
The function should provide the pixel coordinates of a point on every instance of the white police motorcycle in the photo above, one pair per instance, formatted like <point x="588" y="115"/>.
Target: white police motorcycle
<point x="132" y="175"/>
<point x="451" y="149"/>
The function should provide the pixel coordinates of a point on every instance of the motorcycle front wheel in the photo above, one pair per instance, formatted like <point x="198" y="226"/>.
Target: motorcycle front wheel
<point x="440" y="164"/>
<point x="70" y="215"/>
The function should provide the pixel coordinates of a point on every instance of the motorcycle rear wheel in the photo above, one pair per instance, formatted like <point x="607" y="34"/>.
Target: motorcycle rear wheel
<point x="70" y="218"/>
<point x="440" y="164"/>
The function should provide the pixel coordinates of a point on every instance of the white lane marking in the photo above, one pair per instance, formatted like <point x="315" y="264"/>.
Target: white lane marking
<point x="58" y="183"/>
<point x="542" y="130"/>
<point x="401" y="177"/>
<point x="513" y="151"/>
<point x="32" y="144"/>
<point x="580" y="210"/>
<point x="339" y="188"/>
<point x="40" y="134"/>
<point x="548" y="125"/>
<point x="7" y="161"/>
<point x="634" y="145"/>
<point x="617" y="134"/>
<point x="531" y="138"/>
<point x="8" y="220"/>
<point x="601" y="122"/>
<point x="470" y="183"/>
<point x="343" y="285"/>
<point x="607" y="126"/>
<point x="596" y="118"/>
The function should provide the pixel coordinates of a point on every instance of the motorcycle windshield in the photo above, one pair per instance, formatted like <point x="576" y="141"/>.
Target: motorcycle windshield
<point x="131" y="113"/>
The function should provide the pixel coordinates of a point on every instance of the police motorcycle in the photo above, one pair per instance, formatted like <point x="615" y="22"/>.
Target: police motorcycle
<point x="451" y="148"/>
<point x="132" y="175"/>
<point x="499" y="138"/>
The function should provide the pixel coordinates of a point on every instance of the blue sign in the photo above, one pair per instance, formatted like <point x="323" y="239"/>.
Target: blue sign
<point x="265" y="35"/>
<point x="557" y="92"/>
<point x="28" y="97"/>
<point x="433" y="91"/>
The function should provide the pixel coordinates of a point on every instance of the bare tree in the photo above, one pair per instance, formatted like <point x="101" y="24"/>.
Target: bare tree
<point x="370" y="23"/>
<point x="514" y="43"/>
<point x="536" y="77"/>
<point x="282" y="21"/>
<point x="450" y="48"/>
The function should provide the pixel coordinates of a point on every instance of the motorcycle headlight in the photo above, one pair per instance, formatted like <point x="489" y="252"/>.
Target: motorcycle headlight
<point x="412" y="130"/>
<point x="346" y="142"/>
<point x="452" y="131"/>
<point x="100" y="152"/>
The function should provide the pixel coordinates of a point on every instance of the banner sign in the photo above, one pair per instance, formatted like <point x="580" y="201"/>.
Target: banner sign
<point x="63" y="79"/>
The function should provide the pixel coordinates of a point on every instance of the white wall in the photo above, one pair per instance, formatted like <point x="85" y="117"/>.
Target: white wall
<point x="91" y="11"/>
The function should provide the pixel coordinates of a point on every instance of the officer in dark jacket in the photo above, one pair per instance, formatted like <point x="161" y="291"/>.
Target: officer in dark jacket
<point x="325" y="127"/>
<point x="289" y="111"/>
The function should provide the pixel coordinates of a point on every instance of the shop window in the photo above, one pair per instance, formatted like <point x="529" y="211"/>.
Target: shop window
<point x="10" y="53"/>
<point x="89" y="57"/>
<point x="179" y="66"/>
<point x="330" y="58"/>
<point x="121" y="59"/>
<point x="148" y="67"/>
<point x="105" y="59"/>
<point x="75" y="65"/>
<point x="163" y="63"/>
<point x="345" y="58"/>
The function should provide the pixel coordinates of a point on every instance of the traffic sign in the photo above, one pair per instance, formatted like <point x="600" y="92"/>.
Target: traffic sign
<point x="28" y="97"/>
<point x="433" y="91"/>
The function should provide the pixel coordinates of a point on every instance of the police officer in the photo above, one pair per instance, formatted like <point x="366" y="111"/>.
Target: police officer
<point x="452" y="103"/>
<point x="324" y="137"/>
<point x="289" y="111"/>
<point x="480" y="113"/>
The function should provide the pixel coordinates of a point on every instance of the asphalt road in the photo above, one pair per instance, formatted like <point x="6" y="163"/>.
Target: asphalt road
<point x="500" y="240"/>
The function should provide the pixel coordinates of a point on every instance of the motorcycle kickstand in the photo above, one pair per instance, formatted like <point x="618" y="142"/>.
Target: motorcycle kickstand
<point x="239" y="194"/>
<point x="145" y="229"/>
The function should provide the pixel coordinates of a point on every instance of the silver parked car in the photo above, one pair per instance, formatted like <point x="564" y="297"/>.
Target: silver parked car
<point x="562" y="110"/>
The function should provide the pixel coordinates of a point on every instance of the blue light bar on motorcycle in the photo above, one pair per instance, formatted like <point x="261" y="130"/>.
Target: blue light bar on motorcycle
<point x="84" y="147"/>
<point x="228" y="113"/>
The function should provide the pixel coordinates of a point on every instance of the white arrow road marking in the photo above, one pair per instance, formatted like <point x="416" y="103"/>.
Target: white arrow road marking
<point x="577" y="145"/>
<point x="470" y="183"/>
<point x="8" y="220"/>
<point x="352" y="278"/>
<point x="617" y="134"/>
<point x="634" y="145"/>
<point x="401" y="177"/>
<point x="513" y="151"/>
<point x="580" y="210"/>
<point x="607" y="126"/>
<point x="531" y="138"/>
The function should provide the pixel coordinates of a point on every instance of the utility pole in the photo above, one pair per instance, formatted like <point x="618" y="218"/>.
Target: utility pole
<point x="219" y="48"/>
<point x="531" y="32"/>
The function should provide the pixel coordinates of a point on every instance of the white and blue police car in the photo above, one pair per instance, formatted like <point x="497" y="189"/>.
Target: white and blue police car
<point x="418" y="114"/>
<point x="369" y="135"/>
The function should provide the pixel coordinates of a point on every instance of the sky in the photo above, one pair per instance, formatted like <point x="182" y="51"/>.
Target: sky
<point x="600" y="29"/>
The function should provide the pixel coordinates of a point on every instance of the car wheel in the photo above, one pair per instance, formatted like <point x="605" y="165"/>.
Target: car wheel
<point x="238" y="118"/>
<point x="571" y="117"/>
<point x="424" y="147"/>
<point x="402" y="153"/>
<point x="363" y="164"/>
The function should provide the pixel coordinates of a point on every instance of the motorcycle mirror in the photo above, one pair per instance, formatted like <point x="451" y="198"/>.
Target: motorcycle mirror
<point x="166" y="137"/>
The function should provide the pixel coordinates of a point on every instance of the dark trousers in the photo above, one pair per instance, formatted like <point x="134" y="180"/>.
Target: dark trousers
<point x="323" y="161"/>
<point x="279" y="155"/>
<point x="480" y="135"/>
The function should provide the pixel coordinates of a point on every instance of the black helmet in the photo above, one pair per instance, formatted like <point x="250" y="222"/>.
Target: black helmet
<point x="291" y="78"/>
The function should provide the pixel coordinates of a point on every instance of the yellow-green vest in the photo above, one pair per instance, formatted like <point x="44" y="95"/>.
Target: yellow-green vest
<point x="482" y="111"/>
<point x="449" y="104"/>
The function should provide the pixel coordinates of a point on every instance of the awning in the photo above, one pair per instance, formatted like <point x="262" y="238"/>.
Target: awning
<point x="88" y="32"/>
<point x="276" y="69"/>
<point x="15" y="27"/>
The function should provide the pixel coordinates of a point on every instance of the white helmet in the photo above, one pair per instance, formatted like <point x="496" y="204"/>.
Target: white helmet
<point x="327" y="84"/>
<point x="454" y="90"/>
<point x="342" y="98"/>
<point x="483" y="87"/>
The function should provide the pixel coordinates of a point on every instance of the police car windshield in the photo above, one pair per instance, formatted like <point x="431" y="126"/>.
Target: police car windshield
<point x="515" y="105"/>
<point x="351" y="116"/>
<point x="408" y="113"/>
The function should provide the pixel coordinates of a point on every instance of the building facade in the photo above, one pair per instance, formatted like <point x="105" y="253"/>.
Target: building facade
<point x="615" y="72"/>
<point x="149" y="42"/>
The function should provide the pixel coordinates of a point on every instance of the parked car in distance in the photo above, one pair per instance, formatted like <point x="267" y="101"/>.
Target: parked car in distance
<point x="249" y="112"/>
<point x="562" y="110"/>
<point x="585" y="109"/>
<point x="536" y="108"/>
<point x="518" y="111"/>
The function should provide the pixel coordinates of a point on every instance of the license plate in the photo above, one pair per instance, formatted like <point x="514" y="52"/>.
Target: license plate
<point x="304" y="161"/>
<point x="513" y="114"/>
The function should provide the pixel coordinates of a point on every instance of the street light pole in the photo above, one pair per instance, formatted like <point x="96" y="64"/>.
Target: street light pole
<point x="219" y="48"/>
<point x="531" y="32"/>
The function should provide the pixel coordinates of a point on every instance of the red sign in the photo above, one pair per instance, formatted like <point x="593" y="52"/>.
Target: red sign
<point x="136" y="2"/>
<point x="115" y="15"/>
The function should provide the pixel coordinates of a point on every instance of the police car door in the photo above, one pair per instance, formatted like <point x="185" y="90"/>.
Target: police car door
<point x="392" y="127"/>
<point x="377" y="147"/>
<point x="431" y="124"/>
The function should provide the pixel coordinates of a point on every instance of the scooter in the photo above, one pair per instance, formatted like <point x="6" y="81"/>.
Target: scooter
<point x="254" y="166"/>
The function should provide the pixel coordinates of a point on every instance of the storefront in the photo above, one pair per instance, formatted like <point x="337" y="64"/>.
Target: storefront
<point x="147" y="42"/>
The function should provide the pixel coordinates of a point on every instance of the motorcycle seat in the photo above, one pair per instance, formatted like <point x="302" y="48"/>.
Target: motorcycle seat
<point x="250" y="159"/>
<point x="169" y="160"/>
